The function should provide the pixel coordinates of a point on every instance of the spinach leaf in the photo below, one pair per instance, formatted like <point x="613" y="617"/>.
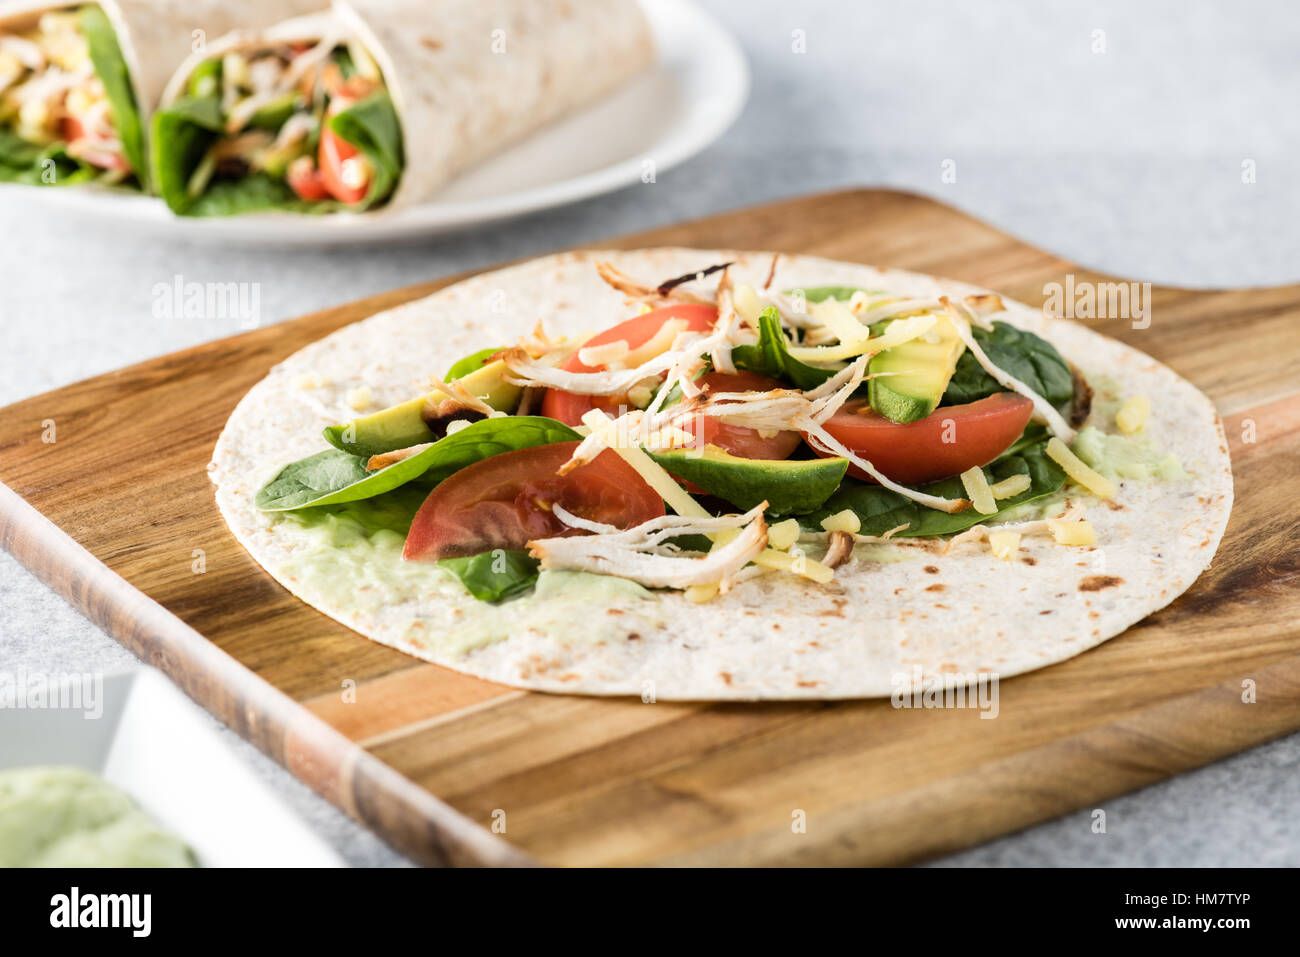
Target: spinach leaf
<point x="110" y="67"/>
<point x="317" y="480"/>
<point x="1032" y="360"/>
<point x="770" y="355"/>
<point x="253" y="193"/>
<point x="17" y="152"/>
<point x="471" y="363"/>
<point x="334" y="476"/>
<point x="879" y="509"/>
<point x="182" y="134"/>
<point x="25" y="163"/>
<point x="371" y="125"/>
<point x="492" y="576"/>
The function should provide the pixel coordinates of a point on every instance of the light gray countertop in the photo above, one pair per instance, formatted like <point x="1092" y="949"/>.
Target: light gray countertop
<point x="1128" y="160"/>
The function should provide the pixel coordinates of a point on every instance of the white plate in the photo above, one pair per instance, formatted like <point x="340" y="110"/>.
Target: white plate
<point x="157" y="746"/>
<point x="688" y="98"/>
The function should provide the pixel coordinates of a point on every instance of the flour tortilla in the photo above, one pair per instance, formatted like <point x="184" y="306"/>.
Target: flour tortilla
<point x="469" y="77"/>
<point x="156" y="36"/>
<point x="773" y="636"/>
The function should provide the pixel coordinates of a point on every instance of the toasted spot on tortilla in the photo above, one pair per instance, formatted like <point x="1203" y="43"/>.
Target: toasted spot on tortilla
<point x="1029" y="560"/>
<point x="725" y="676"/>
<point x="937" y="586"/>
<point x="1098" y="582"/>
<point x="932" y="569"/>
<point x="429" y="43"/>
<point x="1046" y="611"/>
<point x="807" y="684"/>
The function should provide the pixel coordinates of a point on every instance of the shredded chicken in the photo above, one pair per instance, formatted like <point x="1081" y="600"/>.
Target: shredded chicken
<point x="727" y="322"/>
<point x="984" y="305"/>
<point x="462" y="397"/>
<point x="385" y="459"/>
<point x="577" y="521"/>
<point x="639" y="291"/>
<point x="839" y="549"/>
<point x="638" y="553"/>
<point x="530" y="372"/>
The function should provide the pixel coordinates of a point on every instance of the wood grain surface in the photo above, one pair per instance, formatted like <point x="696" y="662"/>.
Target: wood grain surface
<point x="451" y="769"/>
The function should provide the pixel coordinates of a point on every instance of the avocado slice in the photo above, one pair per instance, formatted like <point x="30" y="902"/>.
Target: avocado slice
<point x="403" y="425"/>
<point x="919" y="371"/>
<point x="787" y="485"/>
<point x="273" y="115"/>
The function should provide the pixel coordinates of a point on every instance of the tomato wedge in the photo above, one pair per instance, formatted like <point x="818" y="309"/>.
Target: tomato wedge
<point x="569" y="407"/>
<point x="306" y="180"/>
<point x="737" y="439"/>
<point x="74" y="131"/>
<point x="947" y="442"/>
<point x="344" y="171"/>
<point x="505" y="502"/>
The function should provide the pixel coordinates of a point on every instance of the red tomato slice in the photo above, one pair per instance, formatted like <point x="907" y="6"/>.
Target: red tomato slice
<point x="73" y="131"/>
<point x="334" y="152"/>
<point x="306" y="180"/>
<point x="737" y="439"/>
<point x="505" y="502"/>
<point x="947" y="442"/>
<point x="569" y="407"/>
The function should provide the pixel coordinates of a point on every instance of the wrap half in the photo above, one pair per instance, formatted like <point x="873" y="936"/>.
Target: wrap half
<point x="378" y="103"/>
<point x="932" y="603"/>
<point x="79" y="82"/>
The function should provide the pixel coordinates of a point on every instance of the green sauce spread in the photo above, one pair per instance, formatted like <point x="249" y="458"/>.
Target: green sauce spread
<point x="356" y="550"/>
<point x="1126" y="456"/>
<point x="70" y="817"/>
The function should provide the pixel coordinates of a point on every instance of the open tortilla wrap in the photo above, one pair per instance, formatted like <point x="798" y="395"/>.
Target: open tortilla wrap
<point x="465" y="78"/>
<point x="153" y="37"/>
<point x="897" y="614"/>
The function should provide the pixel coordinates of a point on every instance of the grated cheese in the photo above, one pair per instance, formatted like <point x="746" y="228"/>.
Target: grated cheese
<point x="1004" y="544"/>
<point x="1011" y="486"/>
<point x="1072" y="533"/>
<point x="783" y="534"/>
<point x="843" y="521"/>
<point x="1079" y="471"/>
<point x="898" y="332"/>
<point x="360" y="398"/>
<point x="746" y="303"/>
<point x="1133" y="414"/>
<point x="977" y="487"/>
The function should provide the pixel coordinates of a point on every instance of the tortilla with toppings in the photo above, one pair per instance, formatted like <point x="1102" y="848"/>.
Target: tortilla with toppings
<point x="632" y="473"/>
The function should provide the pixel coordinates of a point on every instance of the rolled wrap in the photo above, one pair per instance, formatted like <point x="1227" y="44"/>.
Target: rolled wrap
<point x="468" y="77"/>
<point x="156" y="36"/>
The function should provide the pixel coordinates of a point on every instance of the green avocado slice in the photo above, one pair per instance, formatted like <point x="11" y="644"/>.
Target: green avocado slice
<point x="909" y="380"/>
<point x="787" y="485"/>
<point x="403" y="425"/>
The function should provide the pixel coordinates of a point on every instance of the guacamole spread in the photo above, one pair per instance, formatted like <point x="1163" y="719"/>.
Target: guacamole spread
<point x="70" y="817"/>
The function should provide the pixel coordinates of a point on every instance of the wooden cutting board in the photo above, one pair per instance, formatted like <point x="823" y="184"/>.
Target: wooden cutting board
<point x="117" y="515"/>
